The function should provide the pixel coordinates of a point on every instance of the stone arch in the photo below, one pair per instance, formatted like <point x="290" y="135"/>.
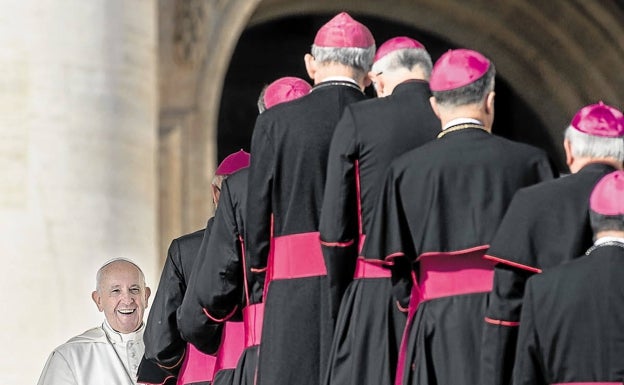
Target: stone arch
<point x="557" y="56"/>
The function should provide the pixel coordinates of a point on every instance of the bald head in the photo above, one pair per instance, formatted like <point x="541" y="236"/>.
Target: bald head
<point x="121" y="294"/>
<point x="113" y="264"/>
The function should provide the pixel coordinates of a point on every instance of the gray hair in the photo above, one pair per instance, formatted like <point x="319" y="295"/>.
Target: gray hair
<point x="359" y="59"/>
<point x="407" y="58"/>
<point x="261" y="104"/>
<point x="585" y="145"/>
<point x="217" y="180"/>
<point x="100" y="272"/>
<point x="471" y="93"/>
<point x="601" y="222"/>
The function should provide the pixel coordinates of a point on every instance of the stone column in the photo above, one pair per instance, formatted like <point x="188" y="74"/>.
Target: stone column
<point x="78" y="141"/>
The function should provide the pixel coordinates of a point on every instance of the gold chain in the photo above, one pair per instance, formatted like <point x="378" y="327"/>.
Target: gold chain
<point x="461" y="127"/>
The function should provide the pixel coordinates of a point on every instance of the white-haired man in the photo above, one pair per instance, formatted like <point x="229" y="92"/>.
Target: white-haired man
<point x="546" y="225"/>
<point x="368" y="137"/>
<point x="110" y="353"/>
<point x="437" y="212"/>
<point x="289" y="149"/>
<point x="571" y="324"/>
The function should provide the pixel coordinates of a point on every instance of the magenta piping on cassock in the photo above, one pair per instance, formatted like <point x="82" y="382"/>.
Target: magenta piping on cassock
<point x="338" y="244"/>
<point x="220" y="320"/>
<point x="367" y="268"/>
<point x="158" y="383"/>
<point x="415" y="296"/>
<point x="512" y="264"/>
<point x="588" y="383"/>
<point x="501" y="322"/>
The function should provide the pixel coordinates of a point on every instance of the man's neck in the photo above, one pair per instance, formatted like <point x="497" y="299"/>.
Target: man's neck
<point x="332" y="70"/>
<point x="403" y="75"/>
<point x="578" y="163"/>
<point x="118" y="336"/>
<point x="471" y="111"/>
<point x="608" y="236"/>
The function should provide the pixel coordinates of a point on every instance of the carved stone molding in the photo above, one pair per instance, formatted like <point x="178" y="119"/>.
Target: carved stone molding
<point x="188" y="32"/>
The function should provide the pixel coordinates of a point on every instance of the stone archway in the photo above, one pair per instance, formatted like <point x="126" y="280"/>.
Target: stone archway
<point x="556" y="55"/>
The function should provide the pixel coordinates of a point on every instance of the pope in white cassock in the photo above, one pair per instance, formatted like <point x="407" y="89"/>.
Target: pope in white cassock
<point x="110" y="353"/>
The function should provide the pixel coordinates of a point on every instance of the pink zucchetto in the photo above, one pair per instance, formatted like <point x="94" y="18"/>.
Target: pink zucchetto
<point x="457" y="68"/>
<point x="342" y="32"/>
<point x="233" y="163"/>
<point x="607" y="198"/>
<point x="285" y="89"/>
<point x="599" y="120"/>
<point x="397" y="43"/>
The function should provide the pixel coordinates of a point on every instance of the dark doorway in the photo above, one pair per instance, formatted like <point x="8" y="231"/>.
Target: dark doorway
<point x="268" y="51"/>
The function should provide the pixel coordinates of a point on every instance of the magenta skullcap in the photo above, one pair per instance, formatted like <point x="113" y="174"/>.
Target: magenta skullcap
<point x="457" y="68"/>
<point x="233" y="163"/>
<point x="285" y="89"/>
<point x="599" y="120"/>
<point x="607" y="198"/>
<point x="397" y="43"/>
<point x="342" y="32"/>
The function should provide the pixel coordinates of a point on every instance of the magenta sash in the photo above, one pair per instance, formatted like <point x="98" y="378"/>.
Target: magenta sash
<point x="444" y="275"/>
<point x="252" y="318"/>
<point x="297" y="256"/>
<point x="365" y="269"/>
<point x="232" y="346"/>
<point x="197" y="367"/>
<point x="455" y="273"/>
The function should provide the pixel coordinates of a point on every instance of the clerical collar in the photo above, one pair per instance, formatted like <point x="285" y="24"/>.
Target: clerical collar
<point x="337" y="81"/>
<point x="460" y="124"/>
<point x="602" y="240"/>
<point x="606" y="241"/>
<point x="458" y="121"/>
<point x="118" y="337"/>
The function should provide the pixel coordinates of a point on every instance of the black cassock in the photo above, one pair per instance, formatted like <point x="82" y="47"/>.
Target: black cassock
<point x="164" y="345"/>
<point x="439" y="208"/>
<point x="545" y="225"/>
<point x="571" y="323"/>
<point x="368" y="137"/>
<point x="217" y="293"/>
<point x="289" y="150"/>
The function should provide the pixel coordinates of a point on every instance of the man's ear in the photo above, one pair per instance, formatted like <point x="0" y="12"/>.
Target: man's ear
<point x="378" y="81"/>
<point x="434" y="106"/>
<point x="567" y="147"/>
<point x="310" y="64"/>
<point x="367" y="81"/>
<point x="148" y="292"/>
<point x="97" y="299"/>
<point x="489" y="103"/>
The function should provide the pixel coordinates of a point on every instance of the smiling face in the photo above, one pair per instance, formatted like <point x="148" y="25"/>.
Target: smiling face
<point x="122" y="295"/>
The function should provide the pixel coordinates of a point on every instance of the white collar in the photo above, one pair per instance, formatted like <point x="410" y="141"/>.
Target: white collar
<point x="458" y="121"/>
<point x="339" y="79"/>
<point x="118" y="337"/>
<point x="604" y="240"/>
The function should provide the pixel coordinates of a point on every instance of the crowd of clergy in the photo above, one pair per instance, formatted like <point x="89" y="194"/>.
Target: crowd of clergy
<point x="397" y="240"/>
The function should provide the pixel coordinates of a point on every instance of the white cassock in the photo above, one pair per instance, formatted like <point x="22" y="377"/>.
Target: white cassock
<point x="99" y="356"/>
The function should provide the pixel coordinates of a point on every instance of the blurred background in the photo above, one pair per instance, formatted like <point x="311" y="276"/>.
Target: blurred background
<point x="114" y="114"/>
